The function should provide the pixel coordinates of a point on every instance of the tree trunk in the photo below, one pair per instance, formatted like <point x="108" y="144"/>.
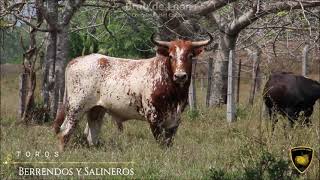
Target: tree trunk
<point x="28" y="78"/>
<point x="49" y="93"/>
<point x="62" y="57"/>
<point x="50" y="102"/>
<point x="22" y="93"/>
<point x="220" y="75"/>
<point x="29" y="103"/>
<point x="57" y="52"/>
<point x="50" y="62"/>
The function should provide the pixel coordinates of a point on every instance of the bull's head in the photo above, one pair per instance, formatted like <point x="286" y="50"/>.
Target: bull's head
<point x="180" y="54"/>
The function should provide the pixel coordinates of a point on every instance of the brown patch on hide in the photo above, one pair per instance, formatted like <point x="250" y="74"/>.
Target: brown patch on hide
<point x="187" y="48"/>
<point x="103" y="63"/>
<point x="72" y="62"/>
<point x="166" y="96"/>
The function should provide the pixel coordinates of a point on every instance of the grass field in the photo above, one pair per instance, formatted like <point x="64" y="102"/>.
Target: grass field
<point x="206" y="146"/>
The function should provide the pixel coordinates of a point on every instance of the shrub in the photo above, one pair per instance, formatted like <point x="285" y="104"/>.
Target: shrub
<point x="193" y="114"/>
<point x="267" y="167"/>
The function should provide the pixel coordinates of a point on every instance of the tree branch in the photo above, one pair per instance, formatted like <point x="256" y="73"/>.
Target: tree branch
<point x="252" y="15"/>
<point x="206" y="7"/>
<point x="71" y="7"/>
<point x="30" y="24"/>
<point x="42" y="9"/>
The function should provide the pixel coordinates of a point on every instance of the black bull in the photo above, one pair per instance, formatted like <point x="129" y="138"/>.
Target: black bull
<point x="290" y="94"/>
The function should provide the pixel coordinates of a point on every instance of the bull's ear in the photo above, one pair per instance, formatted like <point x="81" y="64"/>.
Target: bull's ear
<point x="197" y="51"/>
<point x="163" y="51"/>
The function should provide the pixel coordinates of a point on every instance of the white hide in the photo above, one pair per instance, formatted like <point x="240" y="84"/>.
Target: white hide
<point x="88" y="85"/>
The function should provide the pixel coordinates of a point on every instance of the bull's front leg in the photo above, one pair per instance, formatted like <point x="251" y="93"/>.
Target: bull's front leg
<point x="164" y="135"/>
<point x="164" y="124"/>
<point x="165" y="130"/>
<point x="169" y="134"/>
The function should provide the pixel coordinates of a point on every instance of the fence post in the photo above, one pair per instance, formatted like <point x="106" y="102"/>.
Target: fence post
<point x="238" y="82"/>
<point x="255" y="73"/>
<point x="305" y="59"/>
<point x="192" y="88"/>
<point x="230" y="94"/>
<point x="202" y="85"/>
<point x="210" y="66"/>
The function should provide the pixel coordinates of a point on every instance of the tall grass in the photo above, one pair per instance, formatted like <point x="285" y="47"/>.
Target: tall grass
<point x="204" y="146"/>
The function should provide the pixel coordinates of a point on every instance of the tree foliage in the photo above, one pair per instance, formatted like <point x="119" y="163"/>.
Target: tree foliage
<point x="126" y="35"/>
<point x="11" y="50"/>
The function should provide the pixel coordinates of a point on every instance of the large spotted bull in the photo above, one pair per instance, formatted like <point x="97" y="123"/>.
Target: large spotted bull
<point x="154" y="90"/>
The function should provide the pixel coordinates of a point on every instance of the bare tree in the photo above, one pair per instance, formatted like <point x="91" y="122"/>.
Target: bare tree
<point x="27" y="83"/>
<point x="57" y="15"/>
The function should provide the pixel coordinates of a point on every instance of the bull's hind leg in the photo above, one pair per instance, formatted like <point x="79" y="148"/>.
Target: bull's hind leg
<point x="119" y="122"/>
<point x="273" y="117"/>
<point x="95" y="116"/>
<point x="69" y="125"/>
<point x="292" y="115"/>
<point x="308" y="112"/>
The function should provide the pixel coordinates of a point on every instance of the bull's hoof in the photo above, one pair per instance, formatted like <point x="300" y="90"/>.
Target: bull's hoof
<point x="165" y="143"/>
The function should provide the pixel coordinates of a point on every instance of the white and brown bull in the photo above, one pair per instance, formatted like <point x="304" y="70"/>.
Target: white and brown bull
<point x="155" y="90"/>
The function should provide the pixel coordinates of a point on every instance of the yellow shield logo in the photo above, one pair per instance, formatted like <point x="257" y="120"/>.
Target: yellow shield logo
<point x="301" y="157"/>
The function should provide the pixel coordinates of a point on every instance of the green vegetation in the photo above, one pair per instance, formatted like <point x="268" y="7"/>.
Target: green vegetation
<point x="205" y="147"/>
<point x="267" y="167"/>
<point x="119" y="44"/>
<point x="11" y="50"/>
<point x="114" y="41"/>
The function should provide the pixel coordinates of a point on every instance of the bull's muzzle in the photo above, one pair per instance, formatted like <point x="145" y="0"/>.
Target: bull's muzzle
<point x="180" y="77"/>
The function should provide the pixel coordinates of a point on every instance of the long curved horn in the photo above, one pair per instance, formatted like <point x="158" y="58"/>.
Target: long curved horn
<point x="204" y="42"/>
<point x="159" y="43"/>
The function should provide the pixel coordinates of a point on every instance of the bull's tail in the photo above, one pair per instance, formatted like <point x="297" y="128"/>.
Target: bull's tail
<point x="60" y="114"/>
